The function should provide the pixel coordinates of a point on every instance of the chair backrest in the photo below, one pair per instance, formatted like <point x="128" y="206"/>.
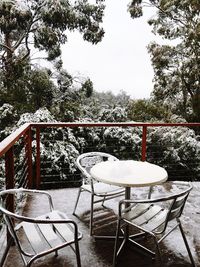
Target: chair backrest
<point x="10" y="218"/>
<point x="17" y="195"/>
<point x="87" y="160"/>
<point x="177" y="202"/>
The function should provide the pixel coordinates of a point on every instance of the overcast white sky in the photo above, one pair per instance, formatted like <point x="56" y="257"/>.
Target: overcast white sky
<point x="120" y="61"/>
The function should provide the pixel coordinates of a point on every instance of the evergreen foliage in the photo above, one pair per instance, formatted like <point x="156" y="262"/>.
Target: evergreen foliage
<point x="176" y="65"/>
<point x="148" y="110"/>
<point x="27" y="27"/>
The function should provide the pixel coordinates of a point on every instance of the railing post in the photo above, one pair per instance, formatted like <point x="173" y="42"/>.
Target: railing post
<point x="28" y="149"/>
<point x="9" y="170"/>
<point x="38" y="163"/>
<point x="10" y="183"/>
<point x="144" y="142"/>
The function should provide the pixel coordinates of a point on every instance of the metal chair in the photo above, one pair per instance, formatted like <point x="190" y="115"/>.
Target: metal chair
<point x="39" y="236"/>
<point x="101" y="191"/>
<point x="150" y="217"/>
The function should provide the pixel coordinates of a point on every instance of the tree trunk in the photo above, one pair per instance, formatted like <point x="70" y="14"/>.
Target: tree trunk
<point x="8" y="60"/>
<point x="196" y="106"/>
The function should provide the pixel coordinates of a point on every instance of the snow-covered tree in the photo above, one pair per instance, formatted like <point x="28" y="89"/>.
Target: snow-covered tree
<point x="58" y="148"/>
<point x="145" y="110"/>
<point x="27" y="27"/>
<point x="176" y="64"/>
<point x="177" y="149"/>
<point x="8" y="117"/>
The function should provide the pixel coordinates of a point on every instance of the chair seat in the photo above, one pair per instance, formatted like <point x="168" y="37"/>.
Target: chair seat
<point x="149" y="217"/>
<point x="48" y="236"/>
<point x="104" y="189"/>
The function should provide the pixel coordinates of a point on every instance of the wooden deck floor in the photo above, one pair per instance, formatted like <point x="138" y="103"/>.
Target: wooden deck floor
<point x="98" y="253"/>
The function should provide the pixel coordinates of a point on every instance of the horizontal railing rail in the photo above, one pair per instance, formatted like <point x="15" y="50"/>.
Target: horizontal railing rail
<point x="10" y="140"/>
<point x="113" y="124"/>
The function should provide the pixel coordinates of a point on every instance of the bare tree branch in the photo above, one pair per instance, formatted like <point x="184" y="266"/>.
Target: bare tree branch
<point x="6" y="47"/>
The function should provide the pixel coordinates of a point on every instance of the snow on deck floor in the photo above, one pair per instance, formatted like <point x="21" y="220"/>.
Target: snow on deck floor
<point x="98" y="253"/>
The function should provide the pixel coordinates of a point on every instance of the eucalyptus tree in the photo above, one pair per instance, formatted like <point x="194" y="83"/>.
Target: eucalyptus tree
<point x="29" y="26"/>
<point x="70" y="95"/>
<point x="177" y="63"/>
<point x="147" y="110"/>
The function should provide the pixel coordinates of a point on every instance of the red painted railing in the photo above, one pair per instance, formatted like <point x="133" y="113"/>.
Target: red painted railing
<point x="7" y="150"/>
<point x="25" y="132"/>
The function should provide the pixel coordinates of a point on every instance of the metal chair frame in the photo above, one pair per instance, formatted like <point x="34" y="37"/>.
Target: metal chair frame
<point x="54" y="227"/>
<point x="84" y="163"/>
<point x="152" y="219"/>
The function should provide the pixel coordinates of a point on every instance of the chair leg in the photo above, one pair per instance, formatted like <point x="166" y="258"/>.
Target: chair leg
<point x="78" y="259"/>
<point x="78" y="196"/>
<point x="91" y="214"/>
<point x="150" y="192"/>
<point x="29" y="264"/>
<point x="104" y="198"/>
<point x="31" y="261"/>
<point x="158" y="254"/>
<point x="186" y="244"/>
<point x="6" y="251"/>
<point x="116" y="241"/>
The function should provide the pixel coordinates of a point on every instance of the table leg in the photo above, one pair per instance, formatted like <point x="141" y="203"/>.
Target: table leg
<point x="126" y="232"/>
<point x="127" y="193"/>
<point x="127" y="196"/>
